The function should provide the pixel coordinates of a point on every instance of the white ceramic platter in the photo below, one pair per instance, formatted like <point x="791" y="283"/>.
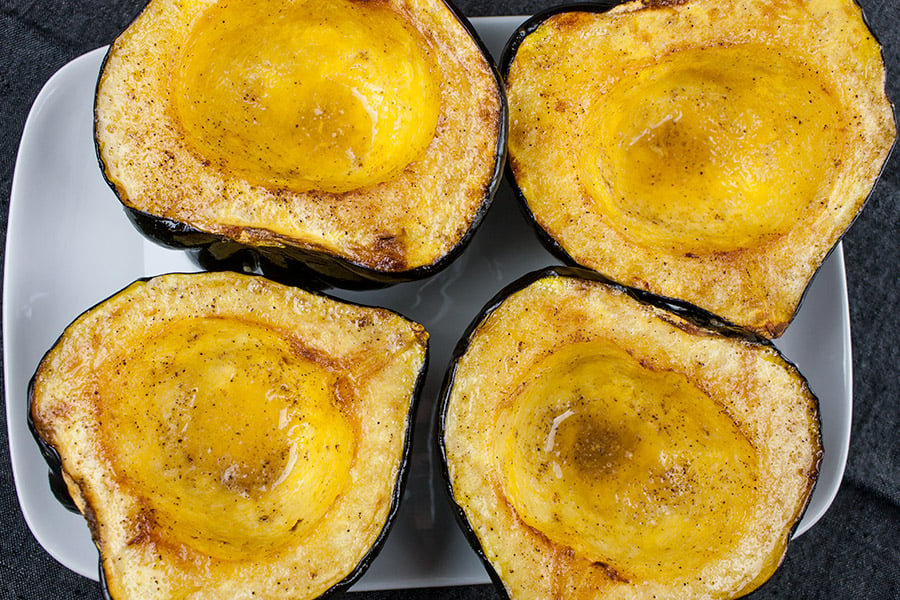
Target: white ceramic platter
<point x="70" y="245"/>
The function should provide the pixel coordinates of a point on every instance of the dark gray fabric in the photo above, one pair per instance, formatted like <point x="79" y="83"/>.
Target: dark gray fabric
<point x="854" y="552"/>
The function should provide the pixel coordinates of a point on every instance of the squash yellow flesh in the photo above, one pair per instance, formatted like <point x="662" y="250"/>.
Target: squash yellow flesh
<point x="601" y="447"/>
<point x="700" y="150"/>
<point x="708" y="151"/>
<point x="226" y="436"/>
<point x="331" y="98"/>
<point x="625" y="465"/>
<point x="228" y="487"/>
<point x="360" y="139"/>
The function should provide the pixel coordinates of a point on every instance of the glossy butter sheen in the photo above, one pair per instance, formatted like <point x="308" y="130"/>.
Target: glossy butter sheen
<point x="232" y="432"/>
<point x="362" y="141"/>
<point x="222" y="433"/>
<point x="333" y="99"/>
<point x="705" y="151"/>
<point x="597" y="445"/>
<point x="612" y="458"/>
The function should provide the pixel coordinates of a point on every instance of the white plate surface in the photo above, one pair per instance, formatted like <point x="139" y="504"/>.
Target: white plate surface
<point x="70" y="245"/>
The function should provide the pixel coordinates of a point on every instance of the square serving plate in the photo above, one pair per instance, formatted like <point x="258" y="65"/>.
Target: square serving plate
<point x="70" y="245"/>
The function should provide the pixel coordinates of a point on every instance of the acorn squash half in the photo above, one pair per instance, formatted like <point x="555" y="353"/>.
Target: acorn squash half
<point x="598" y="445"/>
<point x="363" y="141"/>
<point x="703" y="150"/>
<point x="226" y="436"/>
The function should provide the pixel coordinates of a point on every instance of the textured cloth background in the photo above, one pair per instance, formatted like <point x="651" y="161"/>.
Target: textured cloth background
<point x="853" y="552"/>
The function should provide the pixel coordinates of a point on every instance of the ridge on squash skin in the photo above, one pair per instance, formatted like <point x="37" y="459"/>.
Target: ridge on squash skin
<point x="566" y="338"/>
<point x="703" y="152"/>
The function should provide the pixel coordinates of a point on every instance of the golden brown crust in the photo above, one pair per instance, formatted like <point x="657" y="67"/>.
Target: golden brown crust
<point x="409" y="221"/>
<point x="554" y="85"/>
<point x="764" y="398"/>
<point x="375" y="356"/>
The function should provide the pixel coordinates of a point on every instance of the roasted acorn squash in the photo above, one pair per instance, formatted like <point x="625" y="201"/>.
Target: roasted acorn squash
<point x="703" y="150"/>
<point x="362" y="140"/>
<point x="226" y="436"/>
<point x="598" y="445"/>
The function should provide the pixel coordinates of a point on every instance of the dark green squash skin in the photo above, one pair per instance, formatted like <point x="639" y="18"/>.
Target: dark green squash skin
<point x="51" y="457"/>
<point x="294" y="265"/>
<point x="61" y="493"/>
<point x="694" y="315"/>
<point x="547" y="240"/>
<point x="506" y="57"/>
